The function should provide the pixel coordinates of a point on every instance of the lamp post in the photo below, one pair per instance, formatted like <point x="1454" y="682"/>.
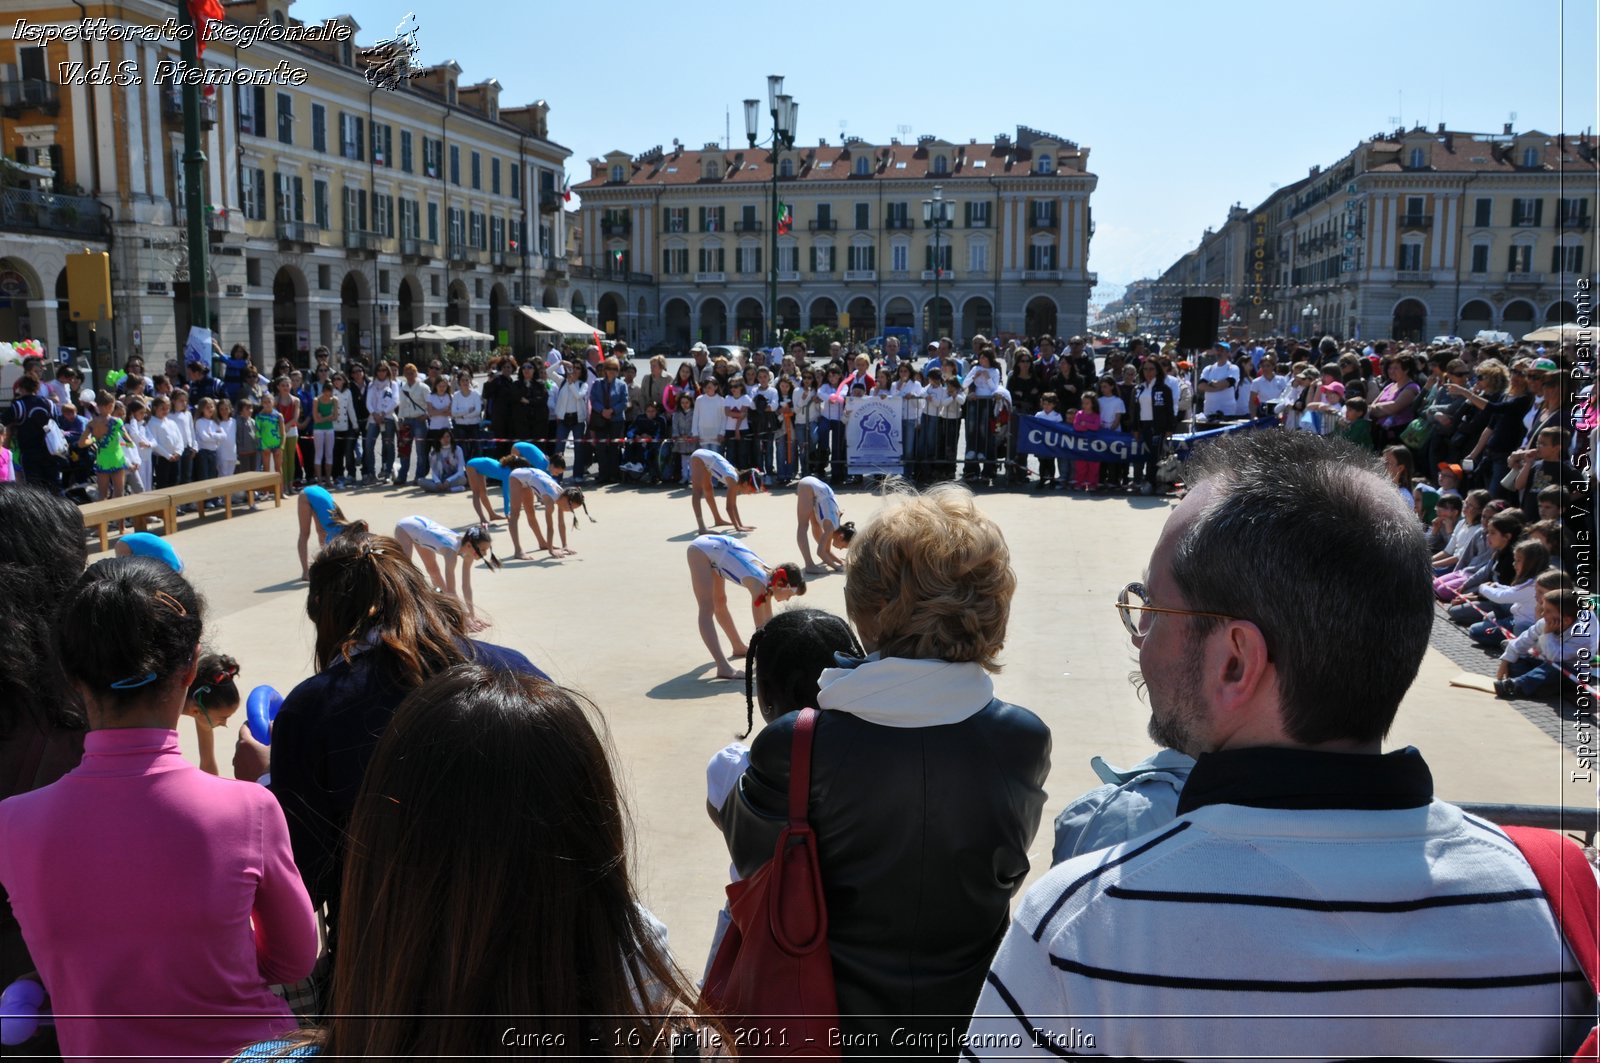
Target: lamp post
<point x="783" y="111"/>
<point x="1309" y="317"/>
<point x="1266" y="321"/>
<point x="936" y="216"/>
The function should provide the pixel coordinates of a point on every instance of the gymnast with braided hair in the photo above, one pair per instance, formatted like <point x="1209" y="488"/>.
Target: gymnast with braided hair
<point x="715" y="558"/>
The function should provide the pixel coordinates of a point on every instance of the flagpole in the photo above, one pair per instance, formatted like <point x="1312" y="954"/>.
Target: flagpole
<point x="194" y="159"/>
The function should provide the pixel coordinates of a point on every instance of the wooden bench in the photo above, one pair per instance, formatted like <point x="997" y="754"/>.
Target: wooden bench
<point x="225" y="487"/>
<point x="150" y="504"/>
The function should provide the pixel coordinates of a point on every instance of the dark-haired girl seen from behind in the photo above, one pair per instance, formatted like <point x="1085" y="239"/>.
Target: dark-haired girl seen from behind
<point x="787" y="656"/>
<point x="381" y="632"/>
<point x="159" y="902"/>
<point x="41" y="724"/>
<point x="489" y="892"/>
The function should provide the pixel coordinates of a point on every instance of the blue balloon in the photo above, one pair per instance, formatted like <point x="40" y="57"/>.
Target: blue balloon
<point x="22" y="1004"/>
<point x="260" y="709"/>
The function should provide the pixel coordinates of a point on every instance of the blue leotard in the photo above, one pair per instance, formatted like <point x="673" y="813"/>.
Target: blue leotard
<point x="720" y="467"/>
<point x="541" y="482"/>
<point x="143" y="544"/>
<point x="491" y="469"/>
<point x="736" y="561"/>
<point x="322" y="507"/>
<point x="533" y="456"/>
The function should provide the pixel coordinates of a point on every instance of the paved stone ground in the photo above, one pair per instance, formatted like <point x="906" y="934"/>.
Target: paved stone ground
<point x="1553" y="714"/>
<point x="617" y="623"/>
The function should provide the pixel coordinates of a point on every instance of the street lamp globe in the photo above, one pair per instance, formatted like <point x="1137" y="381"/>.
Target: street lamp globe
<point x="752" y="119"/>
<point x="774" y="90"/>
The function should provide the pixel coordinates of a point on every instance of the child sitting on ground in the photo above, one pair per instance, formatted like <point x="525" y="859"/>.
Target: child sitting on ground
<point x="1466" y="545"/>
<point x="1447" y="518"/>
<point x="790" y="653"/>
<point x="1532" y="661"/>
<point x="1493" y="633"/>
<point x="1496" y="597"/>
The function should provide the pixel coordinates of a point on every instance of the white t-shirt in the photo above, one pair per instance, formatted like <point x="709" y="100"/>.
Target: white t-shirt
<point x="738" y="402"/>
<point x="1111" y="406"/>
<point x="1220" y="402"/>
<point x="1272" y="390"/>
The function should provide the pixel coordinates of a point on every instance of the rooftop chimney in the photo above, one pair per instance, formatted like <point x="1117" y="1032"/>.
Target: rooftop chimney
<point x="1508" y="129"/>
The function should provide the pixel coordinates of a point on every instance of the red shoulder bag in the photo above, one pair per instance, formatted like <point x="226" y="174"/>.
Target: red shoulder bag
<point x="772" y="978"/>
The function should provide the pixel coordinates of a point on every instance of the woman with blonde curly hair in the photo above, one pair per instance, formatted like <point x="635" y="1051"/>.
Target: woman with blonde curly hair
<point x="926" y="789"/>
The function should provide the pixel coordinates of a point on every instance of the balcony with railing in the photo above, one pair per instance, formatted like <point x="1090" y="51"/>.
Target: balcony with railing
<point x="823" y="225"/>
<point x="788" y="276"/>
<point x="710" y="277"/>
<point x="46" y="212"/>
<point x="1573" y="222"/>
<point x="897" y="223"/>
<point x="1413" y="276"/>
<point x="17" y="97"/>
<point x="298" y="232"/>
<point x="357" y="240"/>
<point x="616" y="226"/>
<point x="217" y="222"/>
<point x="504" y="259"/>
<point x="860" y="274"/>
<point x="1041" y="274"/>
<point x="172" y="108"/>
<point x="416" y="248"/>
<point x="1520" y="220"/>
<point x="464" y="254"/>
<point x="558" y="264"/>
<point x="941" y="274"/>
<point x="1416" y="221"/>
<point x="1044" y="221"/>
<point x="747" y="226"/>
<point x="1524" y="280"/>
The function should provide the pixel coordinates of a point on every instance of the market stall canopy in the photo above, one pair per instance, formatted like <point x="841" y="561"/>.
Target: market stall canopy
<point x="441" y="334"/>
<point x="554" y="319"/>
<point x="1567" y="333"/>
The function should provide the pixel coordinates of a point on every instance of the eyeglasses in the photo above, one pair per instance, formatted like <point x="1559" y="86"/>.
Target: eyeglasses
<point x="1132" y="600"/>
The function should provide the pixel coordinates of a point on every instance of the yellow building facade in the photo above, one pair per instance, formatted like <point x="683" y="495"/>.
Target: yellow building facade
<point x="340" y="212"/>
<point x="677" y="242"/>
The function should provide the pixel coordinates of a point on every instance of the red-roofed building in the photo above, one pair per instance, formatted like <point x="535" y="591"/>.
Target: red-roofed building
<point x="677" y="243"/>
<point x="1413" y="234"/>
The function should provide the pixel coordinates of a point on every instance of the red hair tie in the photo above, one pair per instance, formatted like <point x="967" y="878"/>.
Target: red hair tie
<point x="780" y="578"/>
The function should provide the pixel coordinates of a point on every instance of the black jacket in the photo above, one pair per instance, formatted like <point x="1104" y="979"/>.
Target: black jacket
<point x="923" y="836"/>
<point x="1161" y="405"/>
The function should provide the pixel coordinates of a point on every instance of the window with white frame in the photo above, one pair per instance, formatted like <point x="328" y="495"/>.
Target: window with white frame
<point x="1041" y="256"/>
<point x="785" y="168"/>
<point x="863" y="165"/>
<point x="1410" y="257"/>
<point x="978" y="214"/>
<point x="253" y="193"/>
<point x="1045" y="164"/>
<point x="1567" y="259"/>
<point x="789" y="258"/>
<point x="383" y="214"/>
<point x="1530" y="158"/>
<point x="320" y="207"/>
<point x="675" y="261"/>
<point x="748" y="258"/>
<point x="350" y="136"/>
<point x="941" y="164"/>
<point x="899" y="256"/>
<point x="821" y="258"/>
<point x="1519" y="258"/>
<point x="712" y="259"/>
<point x="355" y="209"/>
<point x="1417" y="158"/>
<point x="978" y="256"/>
<point x="713" y="170"/>
<point x="675" y="220"/>
<point x="862" y="257"/>
<point x="1480" y="258"/>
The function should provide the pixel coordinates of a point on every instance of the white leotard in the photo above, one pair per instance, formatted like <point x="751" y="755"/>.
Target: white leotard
<point x="824" y="501"/>
<point x="736" y="561"/>
<point x="431" y="534"/>
<point x="721" y="468"/>
<point x="542" y="483"/>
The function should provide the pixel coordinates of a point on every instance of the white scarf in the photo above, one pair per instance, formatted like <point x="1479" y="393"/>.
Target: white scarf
<point x="905" y="692"/>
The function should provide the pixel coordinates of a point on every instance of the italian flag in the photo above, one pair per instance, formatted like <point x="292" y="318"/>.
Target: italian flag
<point x="785" y="219"/>
<point x="203" y="12"/>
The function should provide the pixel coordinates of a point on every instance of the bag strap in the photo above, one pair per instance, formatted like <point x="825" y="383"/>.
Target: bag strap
<point x="800" y="768"/>
<point x="1569" y="885"/>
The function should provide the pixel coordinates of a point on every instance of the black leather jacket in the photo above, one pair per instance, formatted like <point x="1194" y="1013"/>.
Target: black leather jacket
<point x="923" y="836"/>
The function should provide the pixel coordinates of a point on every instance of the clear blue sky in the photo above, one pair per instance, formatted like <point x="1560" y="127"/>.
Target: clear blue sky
<point x="1187" y="108"/>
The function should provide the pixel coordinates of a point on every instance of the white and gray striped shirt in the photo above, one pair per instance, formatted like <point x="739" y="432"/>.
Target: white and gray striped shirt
<point x="1311" y="931"/>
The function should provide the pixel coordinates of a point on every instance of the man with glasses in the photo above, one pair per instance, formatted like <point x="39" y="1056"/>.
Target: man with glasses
<point x="1311" y="890"/>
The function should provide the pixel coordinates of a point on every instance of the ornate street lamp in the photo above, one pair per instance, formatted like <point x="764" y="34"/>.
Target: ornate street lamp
<point x="784" y="111"/>
<point x="936" y="215"/>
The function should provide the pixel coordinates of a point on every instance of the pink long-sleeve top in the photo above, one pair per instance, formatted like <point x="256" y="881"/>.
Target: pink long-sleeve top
<point x="158" y="901"/>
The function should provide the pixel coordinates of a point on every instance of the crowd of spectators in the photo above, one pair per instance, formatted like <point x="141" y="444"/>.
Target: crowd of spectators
<point x="454" y="818"/>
